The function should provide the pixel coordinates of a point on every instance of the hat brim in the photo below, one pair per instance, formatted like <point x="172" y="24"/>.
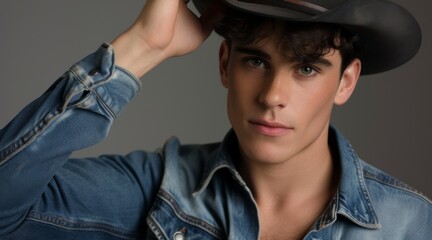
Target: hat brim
<point x="390" y="35"/>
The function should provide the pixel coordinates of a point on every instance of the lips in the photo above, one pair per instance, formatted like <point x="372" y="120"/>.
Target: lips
<point x="270" y="128"/>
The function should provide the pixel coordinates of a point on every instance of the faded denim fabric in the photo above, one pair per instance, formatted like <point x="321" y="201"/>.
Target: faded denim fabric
<point x="189" y="191"/>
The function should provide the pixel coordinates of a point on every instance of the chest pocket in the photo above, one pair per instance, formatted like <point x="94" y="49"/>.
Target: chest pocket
<point x="167" y="221"/>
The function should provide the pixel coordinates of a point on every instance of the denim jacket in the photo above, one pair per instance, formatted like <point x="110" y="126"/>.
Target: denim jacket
<point x="179" y="192"/>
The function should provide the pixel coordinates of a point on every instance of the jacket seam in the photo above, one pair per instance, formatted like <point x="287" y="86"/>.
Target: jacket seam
<point x="166" y="197"/>
<point x="365" y="193"/>
<point x="78" y="225"/>
<point x="398" y="185"/>
<point x="91" y="88"/>
<point x="156" y="228"/>
<point x="28" y="137"/>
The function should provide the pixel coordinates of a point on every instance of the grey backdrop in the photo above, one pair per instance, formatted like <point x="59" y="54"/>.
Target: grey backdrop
<point x="388" y="119"/>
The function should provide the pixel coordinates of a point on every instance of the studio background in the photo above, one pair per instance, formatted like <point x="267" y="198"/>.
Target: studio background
<point x="388" y="120"/>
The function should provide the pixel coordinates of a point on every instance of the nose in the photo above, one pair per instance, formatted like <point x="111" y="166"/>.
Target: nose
<point x="275" y="91"/>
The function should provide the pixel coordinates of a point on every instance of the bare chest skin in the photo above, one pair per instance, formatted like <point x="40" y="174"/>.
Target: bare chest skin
<point x="290" y="222"/>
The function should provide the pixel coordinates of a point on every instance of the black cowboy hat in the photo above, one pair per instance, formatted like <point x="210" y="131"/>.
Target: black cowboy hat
<point x="390" y="35"/>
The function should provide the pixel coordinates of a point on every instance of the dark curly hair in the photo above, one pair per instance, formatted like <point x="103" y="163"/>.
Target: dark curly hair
<point x="301" y="40"/>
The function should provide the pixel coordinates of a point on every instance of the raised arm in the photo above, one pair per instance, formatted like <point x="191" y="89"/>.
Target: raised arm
<point x="164" y="29"/>
<point x="79" y="108"/>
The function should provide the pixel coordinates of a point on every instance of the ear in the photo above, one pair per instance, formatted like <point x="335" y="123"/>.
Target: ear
<point x="348" y="82"/>
<point x="223" y="63"/>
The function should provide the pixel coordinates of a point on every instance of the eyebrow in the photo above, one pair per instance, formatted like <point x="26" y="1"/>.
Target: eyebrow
<point x="252" y="51"/>
<point x="263" y="54"/>
<point x="321" y="61"/>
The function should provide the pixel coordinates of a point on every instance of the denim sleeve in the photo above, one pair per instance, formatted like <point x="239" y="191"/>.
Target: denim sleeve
<point x="74" y="113"/>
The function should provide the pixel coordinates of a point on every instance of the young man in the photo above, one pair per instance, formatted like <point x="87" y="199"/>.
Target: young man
<point x="282" y="173"/>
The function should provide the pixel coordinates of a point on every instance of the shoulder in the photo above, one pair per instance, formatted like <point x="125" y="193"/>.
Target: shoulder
<point x="400" y="208"/>
<point x="185" y="165"/>
<point x="379" y="180"/>
<point x="174" y="152"/>
<point x="396" y="203"/>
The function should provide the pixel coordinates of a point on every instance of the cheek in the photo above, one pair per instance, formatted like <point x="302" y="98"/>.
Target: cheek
<point x="317" y="103"/>
<point x="241" y="99"/>
<point x="241" y="90"/>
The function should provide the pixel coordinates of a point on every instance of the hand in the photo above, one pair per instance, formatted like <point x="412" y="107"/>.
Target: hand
<point x="164" y="28"/>
<point x="168" y="25"/>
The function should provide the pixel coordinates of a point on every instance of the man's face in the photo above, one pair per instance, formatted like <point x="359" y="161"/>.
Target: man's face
<point x="278" y="107"/>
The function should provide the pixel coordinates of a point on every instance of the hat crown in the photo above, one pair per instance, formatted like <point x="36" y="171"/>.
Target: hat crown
<point x="310" y="7"/>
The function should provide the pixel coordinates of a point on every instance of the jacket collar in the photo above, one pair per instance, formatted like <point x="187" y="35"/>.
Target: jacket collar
<point x="223" y="158"/>
<point x="351" y="201"/>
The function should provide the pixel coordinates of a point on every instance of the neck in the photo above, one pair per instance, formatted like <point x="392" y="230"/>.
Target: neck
<point x="310" y="174"/>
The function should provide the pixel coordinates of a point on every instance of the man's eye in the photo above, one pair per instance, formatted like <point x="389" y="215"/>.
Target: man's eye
<point x="256" y="62"/>
<point x="307" y="70"/>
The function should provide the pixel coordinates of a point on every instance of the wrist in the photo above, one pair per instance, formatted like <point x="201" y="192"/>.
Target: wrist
<point x="134" y="55"/>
